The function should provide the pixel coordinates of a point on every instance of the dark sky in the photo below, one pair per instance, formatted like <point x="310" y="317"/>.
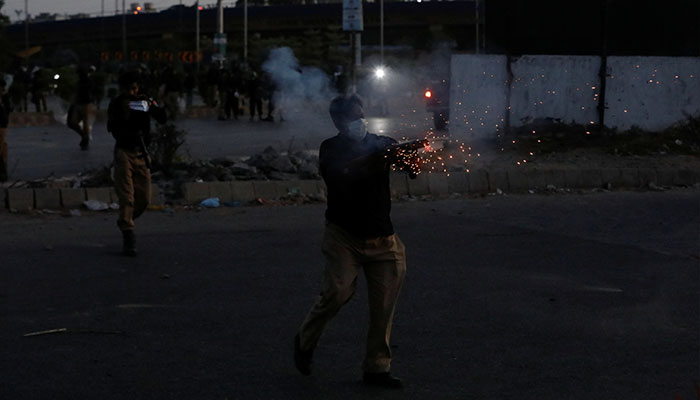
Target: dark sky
<point x="93" y="7"/>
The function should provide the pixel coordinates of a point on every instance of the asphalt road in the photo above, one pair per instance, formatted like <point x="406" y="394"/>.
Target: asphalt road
<point x="590" y="296"/>
<point x="40" y="151"/>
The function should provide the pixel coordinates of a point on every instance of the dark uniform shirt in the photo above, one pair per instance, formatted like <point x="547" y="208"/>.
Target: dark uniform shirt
<point x="359" y="199"/>
<point x="85" y="91"/>
<point x="128" y="126"/>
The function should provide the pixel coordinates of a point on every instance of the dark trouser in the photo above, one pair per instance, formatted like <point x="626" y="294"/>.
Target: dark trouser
<point x="84" y="113"/>
<point x="231" y="106"/>
<point x="383" y="261"/>
<point x="3" y="155"/>
<point x="256" y="104"/>
<point x="132" y="182"/>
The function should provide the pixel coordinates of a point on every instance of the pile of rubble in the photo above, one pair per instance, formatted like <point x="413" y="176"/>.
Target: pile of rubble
<point x="267" y="165"/>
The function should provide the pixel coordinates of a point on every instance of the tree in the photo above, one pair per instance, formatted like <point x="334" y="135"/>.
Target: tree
<point x="5" y="47"/>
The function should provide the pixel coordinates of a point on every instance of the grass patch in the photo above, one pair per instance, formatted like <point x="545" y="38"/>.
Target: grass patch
<point x="682" y="138"/>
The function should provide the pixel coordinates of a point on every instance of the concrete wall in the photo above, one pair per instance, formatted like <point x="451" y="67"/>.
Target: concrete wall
<point x="649" y="92"/>
<point x="564" y="87"/>
<point x="478" y="94"/>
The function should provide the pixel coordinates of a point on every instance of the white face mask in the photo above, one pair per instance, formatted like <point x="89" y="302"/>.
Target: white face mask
<point x="357" y="129"/>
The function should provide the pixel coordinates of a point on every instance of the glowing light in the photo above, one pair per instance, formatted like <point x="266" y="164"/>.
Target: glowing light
<point x="379" y="73"/>
<point x="428" y="94"/>
<point x="56" y="76"/>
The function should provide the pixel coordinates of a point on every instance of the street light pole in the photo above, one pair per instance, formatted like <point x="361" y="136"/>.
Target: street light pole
<point x="476" y="25"/>
<point x="219" y="38"/>
<point x="381" y="31"/>
<point x="197" y="37"/>
<point x="124" y="30"/>
<point x="26" y="25"/>
<point x="245" y="31"/>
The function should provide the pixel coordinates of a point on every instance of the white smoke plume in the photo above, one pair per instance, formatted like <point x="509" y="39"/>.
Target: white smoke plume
<point x="297" y="88"/>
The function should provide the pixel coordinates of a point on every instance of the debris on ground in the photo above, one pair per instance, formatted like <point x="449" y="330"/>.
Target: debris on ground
<point x="211" y="202"/>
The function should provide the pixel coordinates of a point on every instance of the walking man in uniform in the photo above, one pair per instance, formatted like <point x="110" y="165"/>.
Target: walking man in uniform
<point x="129" y="121"/>
<point x="81" y="114"/>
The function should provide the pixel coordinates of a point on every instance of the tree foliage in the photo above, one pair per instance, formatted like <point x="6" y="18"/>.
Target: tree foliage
<point x="5" y="47"/>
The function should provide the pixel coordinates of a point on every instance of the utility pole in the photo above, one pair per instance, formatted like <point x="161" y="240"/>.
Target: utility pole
<point x="476" y="26"/>
<point x="102" y="29"/>
<point x="352" y="23"/>
<point x="483" y="26"/>
<point x="124" y="56"/>
<point x="26" y="25"/>
<point x="245" y="31"/>
<point x="220" y="37"/>
<point x="197" y="38"/>
<point x="603" y="72"/>
<point x="381" y="32"/>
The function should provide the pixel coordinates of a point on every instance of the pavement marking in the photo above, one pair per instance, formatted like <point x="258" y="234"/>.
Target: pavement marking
<point x="144" y="306"/>
<point x="603" y="289"/>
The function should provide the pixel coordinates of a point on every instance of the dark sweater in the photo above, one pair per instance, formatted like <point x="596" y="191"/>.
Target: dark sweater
<point x="128" y="126"/>
<point x="359" y="198"/>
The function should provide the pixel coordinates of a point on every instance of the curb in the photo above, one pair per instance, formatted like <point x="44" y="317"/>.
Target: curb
<point x="514" y="180"/>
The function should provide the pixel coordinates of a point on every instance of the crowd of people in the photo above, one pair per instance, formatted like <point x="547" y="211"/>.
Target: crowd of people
<point x="233" y="90"/>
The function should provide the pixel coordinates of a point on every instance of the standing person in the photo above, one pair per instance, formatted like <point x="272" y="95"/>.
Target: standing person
<point x="223" y="86"/>
<point x="256" y="92"/>
<point x="358" y="236"/>
<point x="189" y="84"/>
<point x="5" y="109"/>
<point x="233" y="106"/>
<point x="83" y="108"/>
<point x="40" y="88"/>
<point x="129" y="121"/>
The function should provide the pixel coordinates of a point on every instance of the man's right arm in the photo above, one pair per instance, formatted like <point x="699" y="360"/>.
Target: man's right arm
<point x="115" y="116"/>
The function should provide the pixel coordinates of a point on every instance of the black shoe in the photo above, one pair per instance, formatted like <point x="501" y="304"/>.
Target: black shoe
<point x="302" y="359"/>
<point x="85" y="144"/>
<point x="382" y="379"/>
<point x="129" y="248"/>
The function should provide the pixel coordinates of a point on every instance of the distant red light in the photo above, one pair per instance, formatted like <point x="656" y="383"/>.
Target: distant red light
<point x="428" y="94"/>
<point x="200" y="8"/>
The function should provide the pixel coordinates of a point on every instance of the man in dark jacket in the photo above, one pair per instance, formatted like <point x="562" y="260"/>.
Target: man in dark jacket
<point x="129" y="121"/>
<point x="359" y="236"/>
<point x="81" y="114"/>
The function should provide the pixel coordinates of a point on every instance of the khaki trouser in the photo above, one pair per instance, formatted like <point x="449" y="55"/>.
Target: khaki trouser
<point x="3" y="154"/>
<point x="383" y="261"/>
<point x="132" y="182"/>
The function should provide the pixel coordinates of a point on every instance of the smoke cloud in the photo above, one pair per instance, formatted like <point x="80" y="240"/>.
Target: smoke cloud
<point x="296" y="87"/>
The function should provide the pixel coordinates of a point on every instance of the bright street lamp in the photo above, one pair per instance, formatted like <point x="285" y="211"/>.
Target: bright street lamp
<point x="379" y="73"/>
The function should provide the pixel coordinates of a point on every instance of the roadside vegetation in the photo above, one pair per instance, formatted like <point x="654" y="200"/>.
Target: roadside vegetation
<point x="682" y="138"/>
